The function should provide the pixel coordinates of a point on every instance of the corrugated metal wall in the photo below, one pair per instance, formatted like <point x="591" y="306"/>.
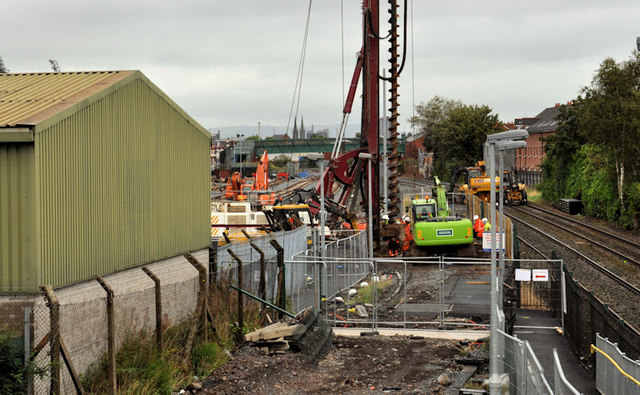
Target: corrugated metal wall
<point x="122" y="182"/>
<point x="18" y="262"/>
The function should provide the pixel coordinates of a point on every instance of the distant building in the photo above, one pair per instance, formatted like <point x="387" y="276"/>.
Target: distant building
<point x="319" y="133"/>
<point x="528" y="161"/>
<point x="281" y="136"/>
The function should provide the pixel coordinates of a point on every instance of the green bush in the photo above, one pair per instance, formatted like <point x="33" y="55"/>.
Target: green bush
<point x="13" y="371"/>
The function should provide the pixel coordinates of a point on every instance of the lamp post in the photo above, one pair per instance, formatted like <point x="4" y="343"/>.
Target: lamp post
<point x="501" y="147"/>
<point x="320" y="158"/>
<point x="495" y="309"/>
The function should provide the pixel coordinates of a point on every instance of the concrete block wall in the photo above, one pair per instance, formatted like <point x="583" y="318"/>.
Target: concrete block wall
<point x="83" y="310"/>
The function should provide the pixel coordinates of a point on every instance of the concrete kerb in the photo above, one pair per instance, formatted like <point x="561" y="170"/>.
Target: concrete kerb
<point x="424" y="333"/>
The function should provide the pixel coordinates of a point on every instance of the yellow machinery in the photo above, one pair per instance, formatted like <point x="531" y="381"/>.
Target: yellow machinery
<point x="476" y="181"/>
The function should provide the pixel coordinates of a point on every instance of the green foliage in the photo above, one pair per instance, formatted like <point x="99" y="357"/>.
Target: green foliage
<point x="458" y="138"/>
<point x="433" y="112"/>
<point x="365" y="294"/>
<point x="13" y="371"/>
<point x="595" y="153"/>
<point x="280" y="161"/>
<point x="560" y="149"/>
<point x="206" y="357"/>
<point x="592" y="179"/>
<point x="255" y="137"/>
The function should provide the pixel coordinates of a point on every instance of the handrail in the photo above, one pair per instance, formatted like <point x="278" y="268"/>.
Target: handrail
<point x="627" y="375"/>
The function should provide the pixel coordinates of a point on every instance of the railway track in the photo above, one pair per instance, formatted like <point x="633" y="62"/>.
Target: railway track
<point x="617" y="245"/>
<point x="597" y="266"/>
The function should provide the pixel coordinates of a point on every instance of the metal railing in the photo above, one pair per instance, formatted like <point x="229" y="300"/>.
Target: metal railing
<point x="561" y="385"/>
<point x="521" y="366"/>
<point x="615" y="372"/>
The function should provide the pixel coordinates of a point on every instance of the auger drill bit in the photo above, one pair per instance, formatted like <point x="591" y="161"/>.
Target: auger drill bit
<point x="392" y="141"/>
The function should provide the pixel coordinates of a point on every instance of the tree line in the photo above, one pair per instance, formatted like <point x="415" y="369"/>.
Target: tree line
<point x="593" y="156"/>
<point x="595" y="153"/>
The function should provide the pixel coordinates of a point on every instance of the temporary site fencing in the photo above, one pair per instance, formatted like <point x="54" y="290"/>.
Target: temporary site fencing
<point x="520" y="365"/>
<point x="615" y="372"/>
<point x="561" y="385"/>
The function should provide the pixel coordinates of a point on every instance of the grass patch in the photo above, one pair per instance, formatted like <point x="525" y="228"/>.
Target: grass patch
<point x="365" y="294"/>
<point x="140" y="369"/>
<point x="534" y="195"/>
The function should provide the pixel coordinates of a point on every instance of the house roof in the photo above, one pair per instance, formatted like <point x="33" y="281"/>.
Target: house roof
<point x="546" y="121"/>
<point x="28" y="98"/>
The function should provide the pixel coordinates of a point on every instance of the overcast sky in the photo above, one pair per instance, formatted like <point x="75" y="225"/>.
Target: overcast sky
<point x="234" y="62"/>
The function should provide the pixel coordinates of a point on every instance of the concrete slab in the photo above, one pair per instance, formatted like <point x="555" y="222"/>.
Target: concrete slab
<point x="426" y="333"/>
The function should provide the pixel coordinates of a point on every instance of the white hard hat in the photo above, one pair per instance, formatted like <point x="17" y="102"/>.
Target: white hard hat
<point x="475" y="217"/>
<point x="406" y="218"/>
<point x="385" y="217"/>
<point x="485" y="220"/>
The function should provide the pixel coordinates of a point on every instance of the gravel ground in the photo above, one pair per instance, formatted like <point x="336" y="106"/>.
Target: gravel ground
<point x="620" y="300"/>
<point x="371" y="365"/>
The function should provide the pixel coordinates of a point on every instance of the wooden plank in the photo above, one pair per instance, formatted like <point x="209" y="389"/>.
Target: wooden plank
<point x="278" y="332"/>
<point x="75" y="377"/>
<point x="255" y="335"/>
<point x="41" y="345"/>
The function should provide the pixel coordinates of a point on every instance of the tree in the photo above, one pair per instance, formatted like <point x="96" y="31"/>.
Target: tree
<point x="254" y="137"/>
<point x="612" y="117"/>
<point x="432" y="113"/>
<point x="458" y="138"/>
<point x="560" y="150"/>
<point x="280" y="161"/>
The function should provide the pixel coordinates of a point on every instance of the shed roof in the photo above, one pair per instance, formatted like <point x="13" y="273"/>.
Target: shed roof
<point x="26" y="97"/>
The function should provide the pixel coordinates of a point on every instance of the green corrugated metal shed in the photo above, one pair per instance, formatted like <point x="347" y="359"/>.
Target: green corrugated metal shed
<point x="99" y="172"/>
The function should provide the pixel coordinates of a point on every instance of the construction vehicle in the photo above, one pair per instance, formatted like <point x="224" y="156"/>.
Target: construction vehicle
<point x="514" y="191"/>
<point x="346" y="179"/>
<point x="476" y="181"/>
<point x="233" y="190"/>
<point x="433" y="224"/>
<point x="261" y="181"/>
<point x="233" y="218"/>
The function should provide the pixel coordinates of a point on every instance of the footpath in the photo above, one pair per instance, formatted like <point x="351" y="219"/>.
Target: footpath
<point x="544" y="334"/>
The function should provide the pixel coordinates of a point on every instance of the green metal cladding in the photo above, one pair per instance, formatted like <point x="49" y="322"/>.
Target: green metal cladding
<point x="121" y="179"/>
<point x="18" y="268"/>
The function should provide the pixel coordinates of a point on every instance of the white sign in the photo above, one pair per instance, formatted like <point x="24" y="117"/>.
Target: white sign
<point x="486" y="241"/>
<point x="540" y="275"/>
<point x="523" y="274"/>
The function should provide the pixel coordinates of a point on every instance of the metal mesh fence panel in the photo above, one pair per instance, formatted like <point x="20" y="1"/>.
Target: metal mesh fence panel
<point x="536" y="383"/>
<point x="526" y="375"/>
<point x="586" y="315"/>
<point x="513" y="361"/>
<point x="609" y="379"/>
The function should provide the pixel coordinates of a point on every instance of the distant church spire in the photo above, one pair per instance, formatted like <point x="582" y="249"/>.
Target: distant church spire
<point x="295" y="128"/>
<point x="302" y="132"/>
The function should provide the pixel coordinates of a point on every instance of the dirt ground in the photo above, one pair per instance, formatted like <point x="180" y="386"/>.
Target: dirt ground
<point x="368" y="364"/>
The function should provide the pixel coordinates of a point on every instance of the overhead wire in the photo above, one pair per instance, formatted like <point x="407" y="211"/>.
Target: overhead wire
<point x="413" y="69"/>
<point x="342" y="43"/>
<point x="298" y="87"/>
